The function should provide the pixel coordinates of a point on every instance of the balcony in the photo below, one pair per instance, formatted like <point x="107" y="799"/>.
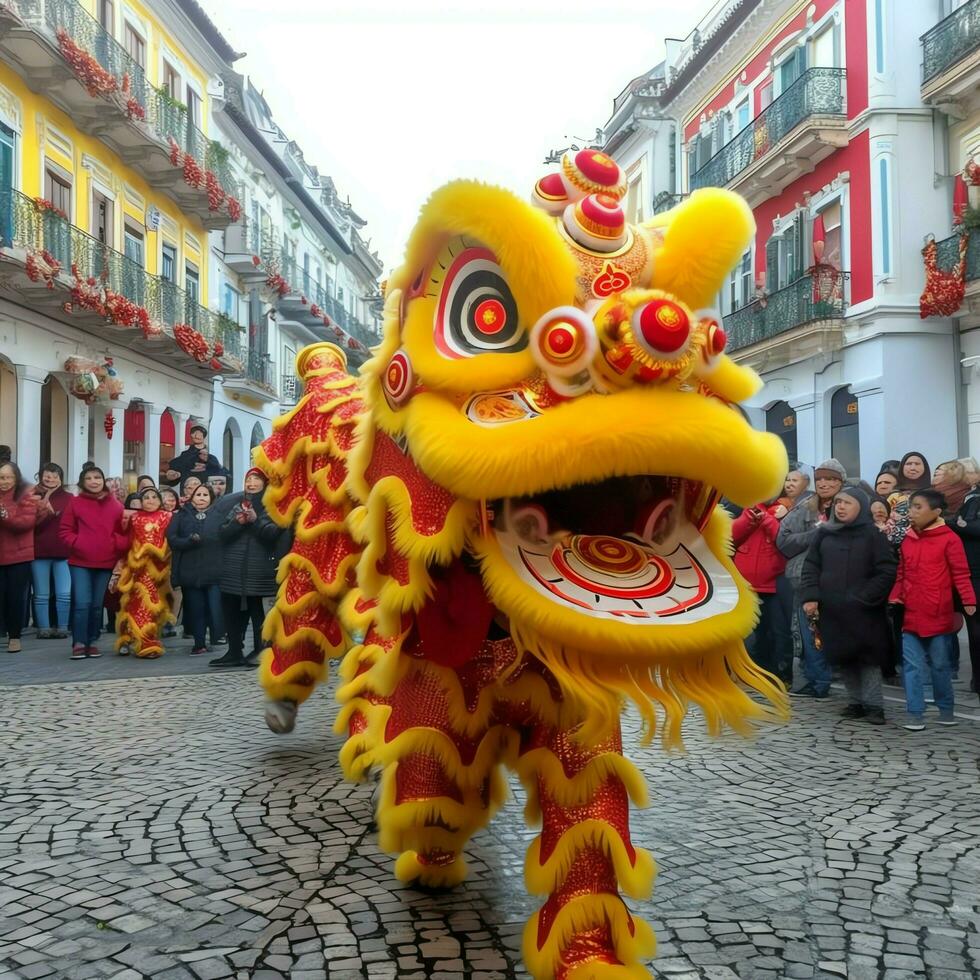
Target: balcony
<point x="54" y="267"/>
<point x="951" y="61"/>
<point x="66" y="55"/>
<point x="802" y="318"/>
<point x="947" y="257"/>
<point x="255" y="381"/>
<point x="249" y="249"/>
<point x="664" y="201"/>
<point x="786" y="140"/>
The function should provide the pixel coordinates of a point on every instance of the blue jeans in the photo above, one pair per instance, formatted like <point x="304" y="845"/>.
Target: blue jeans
<point x="41" y="571"/>
<point x="88" y="587"/>
<point x="202" y="605"/>
<point x="927" y="658"/>
<point x="815" y="666"/>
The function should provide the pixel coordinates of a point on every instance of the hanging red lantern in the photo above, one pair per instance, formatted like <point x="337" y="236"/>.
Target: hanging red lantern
<point x="109" y="423"/>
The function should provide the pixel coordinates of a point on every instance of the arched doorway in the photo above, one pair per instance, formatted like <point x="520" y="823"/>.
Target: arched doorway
<point x="781" y="421"/>
<point x="54" y="423"/>
<point x="845" y="440"/>
<point x="257" y="436"/>
<point x="231" y="440"/>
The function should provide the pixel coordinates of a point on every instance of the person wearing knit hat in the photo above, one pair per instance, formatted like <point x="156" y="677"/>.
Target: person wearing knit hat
<point x="847" y="575"/>
<point x="797" y="532"/>
<point x="250" y="549"/>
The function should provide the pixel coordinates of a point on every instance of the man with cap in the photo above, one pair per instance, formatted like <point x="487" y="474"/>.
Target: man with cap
<point x="195" y="460"/>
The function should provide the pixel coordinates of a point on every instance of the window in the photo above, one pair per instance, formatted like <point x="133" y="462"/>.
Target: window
<point x="823" y="49"/>
<point x="306" y="271"/>
<point x="785" y="256"/>
<point x="193" y="107"/>
<point x="634" y="200"/>
<point x="229" y="302"/>
<point x="102" y="219"/>
<point x="831" y="215"/>
<point x="6" y="183"/>
<point x="171" y="81"/>
<point x="845" y="440"/>
<point x="742" y="115"/>
<point x="192" y="282"/>
<point x="133" y="246"/>
<point x="168" y="262"/>
<point x="134" y="281"/>
<point x="107" y="15"/>
<point x="766" y="95"/>
<point x="135" y="45"/>
<point x="57" y="189"/>
<point x="791" y="69"/>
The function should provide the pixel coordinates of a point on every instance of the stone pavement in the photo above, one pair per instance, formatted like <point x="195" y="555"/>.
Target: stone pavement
<point x="153" y="827"/>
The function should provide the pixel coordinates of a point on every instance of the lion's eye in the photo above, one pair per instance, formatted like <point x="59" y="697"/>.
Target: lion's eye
<point x="476" y="312"/>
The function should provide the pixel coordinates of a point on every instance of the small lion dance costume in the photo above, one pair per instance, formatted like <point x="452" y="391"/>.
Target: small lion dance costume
<point x="511" y="516"/>
<point x="144" y="586"/>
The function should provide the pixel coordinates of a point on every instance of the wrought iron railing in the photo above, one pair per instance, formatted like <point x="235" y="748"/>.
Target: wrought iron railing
<point x="290" y="389"/>
<point x="24" y="225"/>
<point x="817" y="92"/>
<point x="257" y="367"/>
<point x="248" y="237"/>
<point x="821" y="296"/>
<point x="951" y="40"/>
<point x="165" y="118"/>
<point x="948" y="255"/>
<point x="664" y="201"/>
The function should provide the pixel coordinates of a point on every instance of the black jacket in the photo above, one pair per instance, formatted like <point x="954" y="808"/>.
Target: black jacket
<point x="195" y="563"/>
<point x="850" y="572"/>
<point x="250" y="553"/>
<point x="184" y="464"/>
<point x="969" y="535"/>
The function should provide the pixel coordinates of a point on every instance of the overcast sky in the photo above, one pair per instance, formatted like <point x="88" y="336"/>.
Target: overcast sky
<point x="394" y="97"/>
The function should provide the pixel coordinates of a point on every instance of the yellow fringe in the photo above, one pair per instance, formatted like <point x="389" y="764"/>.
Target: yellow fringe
<point x="635" y="880"/>
<point x="577" y="790"/>
<point x="580" y="915"/>
<point x="286" y="686"/>
<point x="607" y="971"/>
<point x="408" y="868"/>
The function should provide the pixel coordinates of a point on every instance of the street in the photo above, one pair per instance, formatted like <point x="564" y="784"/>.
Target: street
<point x="153" y="827"/>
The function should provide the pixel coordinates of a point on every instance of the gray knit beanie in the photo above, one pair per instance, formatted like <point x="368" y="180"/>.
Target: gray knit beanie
<point x="830" y="469"/>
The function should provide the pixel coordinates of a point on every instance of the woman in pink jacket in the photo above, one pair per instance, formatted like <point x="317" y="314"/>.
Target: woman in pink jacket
<point x="91" y="527"/>
<point x="18" y="514"/>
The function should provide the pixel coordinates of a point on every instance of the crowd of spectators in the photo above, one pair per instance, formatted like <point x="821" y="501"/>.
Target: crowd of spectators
<point x="69" y="561"/>
<point x="873" y="582"/>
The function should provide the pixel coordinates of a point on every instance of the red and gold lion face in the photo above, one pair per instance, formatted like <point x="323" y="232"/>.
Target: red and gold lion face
<point x="552" y="391"/>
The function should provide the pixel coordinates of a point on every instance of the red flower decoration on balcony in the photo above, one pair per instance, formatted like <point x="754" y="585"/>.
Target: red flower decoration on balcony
<point x="43" y="204"/>
<point x="234" y="208"/>
<point x="193" y="175"/>
<point x="135" y="110"/>
<point x="42" y="266"/>
<point x="175" y="154"/>
<point x="219" y="349"/>
<point x="96" y="80"/>
<point x="277" y="284"/>
<point x="215" y="364"/>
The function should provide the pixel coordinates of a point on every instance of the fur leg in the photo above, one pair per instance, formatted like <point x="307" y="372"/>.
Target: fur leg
<point x="581" y="860"/>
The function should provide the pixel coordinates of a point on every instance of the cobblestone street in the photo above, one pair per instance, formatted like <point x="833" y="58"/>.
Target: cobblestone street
<point x="155" y="828"/>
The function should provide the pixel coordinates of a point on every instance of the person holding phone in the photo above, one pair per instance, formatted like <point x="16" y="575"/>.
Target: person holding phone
<point x="51" y="555"/>
<point x="195" y="459"/>
<point x="249" y="541"/>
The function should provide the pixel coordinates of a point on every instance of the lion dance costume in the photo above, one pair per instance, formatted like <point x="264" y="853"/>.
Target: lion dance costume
<point x="507" y="526"/>
<point x="144" y="586"/>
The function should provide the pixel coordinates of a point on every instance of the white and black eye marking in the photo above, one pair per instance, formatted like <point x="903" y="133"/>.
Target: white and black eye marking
<point x="477" y="312"/>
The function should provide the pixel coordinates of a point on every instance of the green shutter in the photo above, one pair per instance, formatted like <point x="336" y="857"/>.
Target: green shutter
<point x="772" y="264"/>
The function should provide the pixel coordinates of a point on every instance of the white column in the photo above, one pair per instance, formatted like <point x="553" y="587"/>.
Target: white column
<point x="109" y="452"/>
<point x="151" y="440"/>
<point x="27" y="451"/>
<point x="871" y="426"/>
<point x="78" y="426"/>
<point x="806" y="430"/>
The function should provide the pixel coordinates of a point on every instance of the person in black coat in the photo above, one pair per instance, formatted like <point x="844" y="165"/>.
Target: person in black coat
<point x="195" y="460"/>
<point x="251" y="545"/>
<point x="196" y="567"/>
<point x="967" y="525"/>
<point x="847" y="575"/>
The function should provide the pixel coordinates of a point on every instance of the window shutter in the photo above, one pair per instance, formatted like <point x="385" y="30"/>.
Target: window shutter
<point x="799" y="233"/>
<point x="772" y="264"/>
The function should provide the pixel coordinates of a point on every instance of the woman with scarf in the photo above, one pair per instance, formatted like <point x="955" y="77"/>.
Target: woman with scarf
<point x="249" y="541"/>
<point x="197" y="568"/>
<point x="797" y="531"/>
<point x="950" y="480"/>
<point x="848" y="573"/>
<point x="913" y="474"/>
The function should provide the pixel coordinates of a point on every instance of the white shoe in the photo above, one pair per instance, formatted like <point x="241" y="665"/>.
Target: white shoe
<point x="280" y="716"/>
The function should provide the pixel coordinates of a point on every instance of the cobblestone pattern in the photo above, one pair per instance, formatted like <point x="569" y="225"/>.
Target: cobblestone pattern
<point x="154" y="828"/>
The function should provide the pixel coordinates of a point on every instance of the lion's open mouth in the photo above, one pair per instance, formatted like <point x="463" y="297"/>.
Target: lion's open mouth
<point x="625" y="549"/>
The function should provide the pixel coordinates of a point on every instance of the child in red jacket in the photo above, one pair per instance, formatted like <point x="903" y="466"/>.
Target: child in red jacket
<point x="932" y="563"/>
<point x="761" y="563"/>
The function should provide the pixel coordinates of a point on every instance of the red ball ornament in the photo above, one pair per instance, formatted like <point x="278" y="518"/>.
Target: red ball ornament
<point x="662" y="326"/>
